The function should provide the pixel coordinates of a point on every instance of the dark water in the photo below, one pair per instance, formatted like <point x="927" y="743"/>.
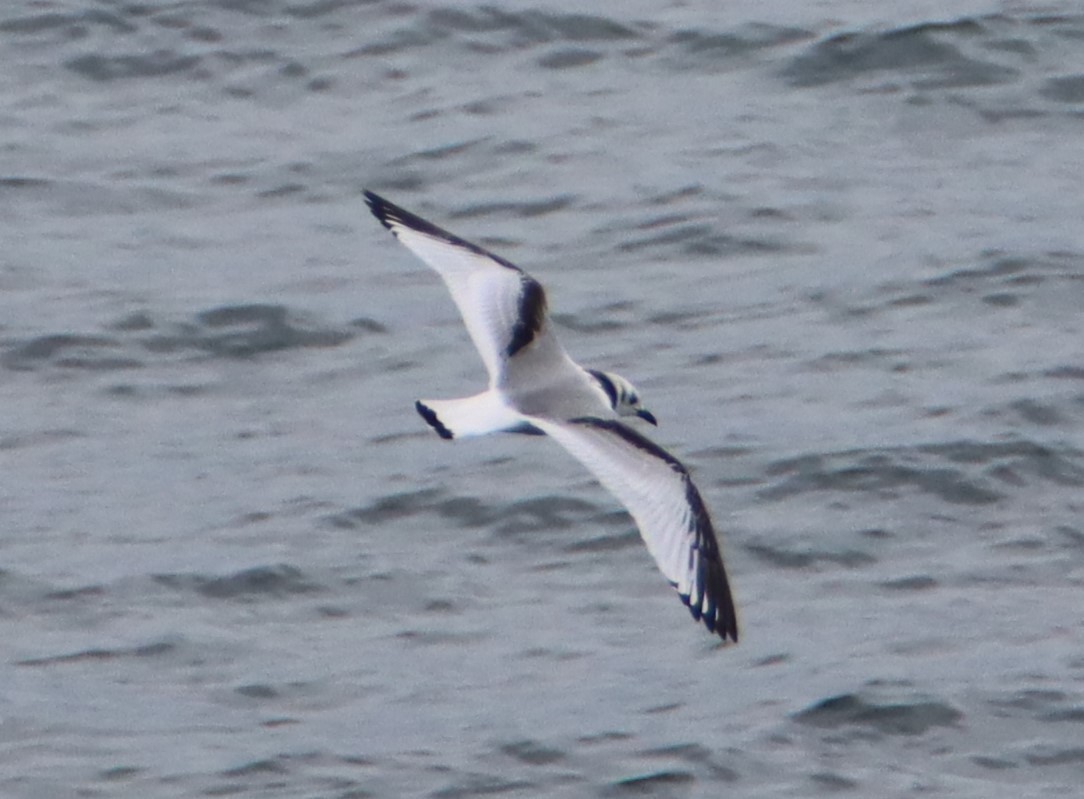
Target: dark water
<point x="839" y="248"/>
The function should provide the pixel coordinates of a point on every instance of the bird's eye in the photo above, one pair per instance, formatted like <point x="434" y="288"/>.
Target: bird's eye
<point x="633" y="399"/>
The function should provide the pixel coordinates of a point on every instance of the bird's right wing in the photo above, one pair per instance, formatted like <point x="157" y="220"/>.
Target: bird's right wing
<point x="669" y="512"/>
<point x="502" y="306"/>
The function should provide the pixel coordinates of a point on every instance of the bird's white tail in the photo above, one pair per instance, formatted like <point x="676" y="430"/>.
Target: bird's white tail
<point x="471" y="416"/>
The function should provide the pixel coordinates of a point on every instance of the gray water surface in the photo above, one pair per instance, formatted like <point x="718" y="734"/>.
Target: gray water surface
<point x="837" y="245"/>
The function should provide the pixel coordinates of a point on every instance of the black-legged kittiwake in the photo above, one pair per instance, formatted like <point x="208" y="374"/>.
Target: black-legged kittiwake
<point x="535" y="387"/>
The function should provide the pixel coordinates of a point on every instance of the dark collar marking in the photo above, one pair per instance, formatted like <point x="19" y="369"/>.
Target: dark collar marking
<point x="389" y="213"/>
<point x="607" y="386"/>
<point x="714" y="606"/>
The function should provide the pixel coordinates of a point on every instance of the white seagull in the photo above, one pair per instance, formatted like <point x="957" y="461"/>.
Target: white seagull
<point x="535" y="387"/>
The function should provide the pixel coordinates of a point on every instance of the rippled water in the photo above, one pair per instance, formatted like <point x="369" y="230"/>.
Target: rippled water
<point x="837" y="245"/>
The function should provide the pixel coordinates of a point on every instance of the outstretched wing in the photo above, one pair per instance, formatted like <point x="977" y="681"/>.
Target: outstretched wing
<point x="659" y="494"/>
<point x="502" y="306"/>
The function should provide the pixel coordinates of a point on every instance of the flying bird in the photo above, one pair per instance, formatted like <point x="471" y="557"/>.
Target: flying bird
<point x="536" y="388"/>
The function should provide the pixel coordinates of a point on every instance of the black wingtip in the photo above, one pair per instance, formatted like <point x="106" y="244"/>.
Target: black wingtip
<point x="724" y="624"/>
<point x="381" y="208"/>
<point x="432" y="419"/>
<point x="392" y="216"/>
<point x="713" y="606"/>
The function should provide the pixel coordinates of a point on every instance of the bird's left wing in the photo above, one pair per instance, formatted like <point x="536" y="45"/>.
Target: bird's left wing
<point x="502" y="306"/>
<point x="669" y="512"/>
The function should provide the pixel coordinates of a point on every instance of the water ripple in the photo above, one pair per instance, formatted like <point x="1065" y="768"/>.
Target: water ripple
<point x="234" y="331"/>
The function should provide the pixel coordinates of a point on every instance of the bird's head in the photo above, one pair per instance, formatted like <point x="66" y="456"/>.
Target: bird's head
<point x="623" y="396"/>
